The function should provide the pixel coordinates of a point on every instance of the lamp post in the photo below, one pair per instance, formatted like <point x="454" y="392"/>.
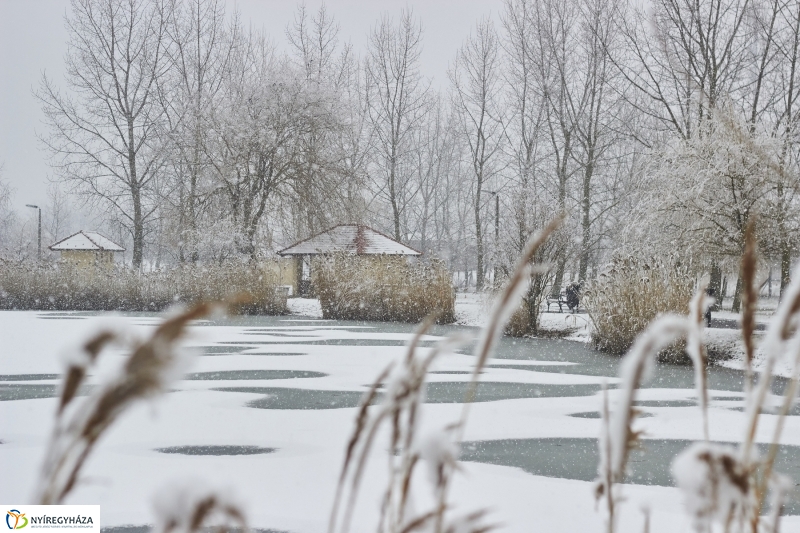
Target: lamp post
<point x="39" y="254"/>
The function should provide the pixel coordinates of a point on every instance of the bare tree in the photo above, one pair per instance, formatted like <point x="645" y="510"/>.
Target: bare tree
<point x="476" y="78"/>
<point x="526" y="108"/>
<point x="7" y="217"/>
<point x="433" y="163"/>
<point x="684" y="55"/>
<point x="597" y="115"/>
<point x="198" y="57"/>
<point x="551" y="46"/>
<point x="397" y="98"/>
<point x="104" y="131"/>
<point x="786" y="192"/>
<point x="57" y="213"/>
<point x="260" y="140"/>
<point x="328" y="164"/>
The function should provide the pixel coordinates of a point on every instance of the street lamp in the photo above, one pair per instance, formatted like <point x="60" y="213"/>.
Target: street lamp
<point x="39" y="256"/>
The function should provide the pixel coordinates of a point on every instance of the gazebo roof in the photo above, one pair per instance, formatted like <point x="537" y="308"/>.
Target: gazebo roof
<point x="87" y="240"/>
<point x="350" y="238"/>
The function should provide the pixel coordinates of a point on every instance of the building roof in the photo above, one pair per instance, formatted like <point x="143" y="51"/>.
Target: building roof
<point x="87" y="240"/>
<point x="349" y="238"/>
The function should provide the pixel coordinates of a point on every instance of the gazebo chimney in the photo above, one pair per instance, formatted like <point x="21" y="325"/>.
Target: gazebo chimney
<point x="361" y="240"/>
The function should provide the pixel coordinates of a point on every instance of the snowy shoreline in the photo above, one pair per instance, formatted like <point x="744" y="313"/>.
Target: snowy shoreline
<point x="472" y="309"/>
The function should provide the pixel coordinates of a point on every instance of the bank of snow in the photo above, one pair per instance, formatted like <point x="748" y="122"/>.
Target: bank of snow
<point x="309" y="307"/>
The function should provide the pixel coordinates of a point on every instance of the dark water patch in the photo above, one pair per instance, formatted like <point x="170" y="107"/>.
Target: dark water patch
<point x="292" y="334"/>
<point x="590" y="362"/>
<point x="26" y="392"/>
<point x="578" y="459"/>
<point x="221" y="350"/>
<point x="62" y="317"/>
<point x="257" y="344"/>
<point x="216" y="450"/>
<point x="13" y="392"/>
<point x="437" y="392"/>
<point x="455" y="392"/>
<point x="794" y="411"/>
<point x="303" y="399"/>
<point x="28" y="377"/>
<point x="314" y="324"/>
<point x="278" y="353"/>
<point x="595" y="414"/>
<point x="731" y="323"/>
<point x="126" y="529"/>
<point x="666" y="403"/>
<point x="552" y="369"/>
<point x="348" y="342"/>
<point x="254" y="374"/>
<point x="450" y="372"/>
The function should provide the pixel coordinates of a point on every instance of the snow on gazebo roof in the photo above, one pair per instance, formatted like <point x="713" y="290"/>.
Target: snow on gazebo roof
<point x="350" y="238"/>
<point x="87" y="240"/>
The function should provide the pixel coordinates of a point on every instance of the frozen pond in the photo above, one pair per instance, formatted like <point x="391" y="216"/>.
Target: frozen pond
<point x="577" y="459"/>
<point x="268" y="405"/>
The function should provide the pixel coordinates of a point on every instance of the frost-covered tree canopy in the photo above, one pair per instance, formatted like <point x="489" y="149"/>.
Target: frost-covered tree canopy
<point x="199" y="138"/>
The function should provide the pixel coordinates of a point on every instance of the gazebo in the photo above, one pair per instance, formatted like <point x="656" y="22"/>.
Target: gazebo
<point x="355" y="239"/>
<point x="87" y="250"/>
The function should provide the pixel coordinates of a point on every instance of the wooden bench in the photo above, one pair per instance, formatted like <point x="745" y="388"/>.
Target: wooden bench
<point x="561" y="301"/>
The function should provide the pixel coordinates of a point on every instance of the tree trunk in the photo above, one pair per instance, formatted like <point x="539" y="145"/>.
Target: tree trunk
<point x="586" y="217"/>
<point x="786" y="265"/>
<point x="736" y="306"/>
<point x="559" y="280"/>
<point x="715" y="285"/>
<point x="533" y="312"/>
<point x="138" y="231"/>
<point x="724" y="292"/>
<point x="136" y="198"/>
<point x="479" y="241"/>
<point x="194" y="254"/>
<point x="393" y="194"/>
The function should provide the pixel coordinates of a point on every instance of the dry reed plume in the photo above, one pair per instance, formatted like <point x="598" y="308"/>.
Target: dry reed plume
<point x="189" y="509"/>
<point x="630" y="295"/>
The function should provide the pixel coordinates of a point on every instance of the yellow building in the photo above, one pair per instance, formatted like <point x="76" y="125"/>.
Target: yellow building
<point x="354" y="239"/>
<point x="87" y="250"/>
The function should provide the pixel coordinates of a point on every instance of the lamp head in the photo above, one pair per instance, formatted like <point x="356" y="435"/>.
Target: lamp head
<point x="33" y="206"/>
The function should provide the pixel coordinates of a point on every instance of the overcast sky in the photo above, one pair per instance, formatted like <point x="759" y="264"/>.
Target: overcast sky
<point x="32" y="41"/>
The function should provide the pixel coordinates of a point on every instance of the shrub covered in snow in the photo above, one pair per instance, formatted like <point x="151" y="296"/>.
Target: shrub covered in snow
<point x="62" y="288"/>
<point x="386" y="288"/>
<point x="625" y="298"/>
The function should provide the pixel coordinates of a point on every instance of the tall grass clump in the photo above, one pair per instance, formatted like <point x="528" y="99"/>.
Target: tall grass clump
<point x="725" y="487"/>
<point x="630" y="294"/>
<point x="382" y="288"/>
<point x="62" y="287"/>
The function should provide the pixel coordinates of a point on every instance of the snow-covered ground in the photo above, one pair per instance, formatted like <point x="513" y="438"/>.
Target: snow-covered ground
<point x="291" y="489"/>
<point x="305" y="307"/>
